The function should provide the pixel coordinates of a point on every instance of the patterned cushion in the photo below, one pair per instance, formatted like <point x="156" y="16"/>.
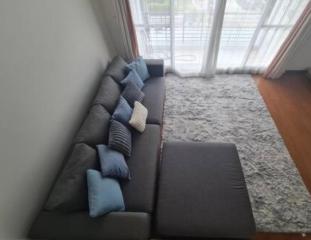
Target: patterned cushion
<point x="139" y="116"/>
<point x="120" y="138"/>
<point x="123" y="112"/>
<point x="132" y="93"/>
<point x="133" y="77"/>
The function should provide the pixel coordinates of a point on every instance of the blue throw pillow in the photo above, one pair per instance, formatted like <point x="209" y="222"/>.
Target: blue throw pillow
<point x="133" y="77"/>
<point x="123" y="112"/>
<point x="104" y="194"/>
<point x="139" y="65"/>
<point x="112" y="163"/>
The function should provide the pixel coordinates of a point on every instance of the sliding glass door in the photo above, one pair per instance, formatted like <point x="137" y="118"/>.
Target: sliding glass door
<point x="200" y="37"/>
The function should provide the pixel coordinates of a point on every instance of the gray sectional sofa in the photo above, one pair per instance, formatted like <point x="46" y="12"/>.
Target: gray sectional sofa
<point x="139" y="192"/>
<point x="196" y="190"/>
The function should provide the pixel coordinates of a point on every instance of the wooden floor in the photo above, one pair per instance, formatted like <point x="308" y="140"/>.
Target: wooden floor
<point x="289" y="102"/>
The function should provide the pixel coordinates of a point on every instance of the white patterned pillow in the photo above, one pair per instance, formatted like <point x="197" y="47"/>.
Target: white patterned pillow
<point x="139" y="116"/>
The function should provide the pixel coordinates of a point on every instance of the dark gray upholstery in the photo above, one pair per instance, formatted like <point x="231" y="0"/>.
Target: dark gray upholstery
<point x="116" y="225"/>
<point x="95" y="128"/>
<point x="108" y="94"/>
<point x="117" y="69"/>
<point x="139" y="192"/>
<point x="155" y="67"/>
<point x="202" y="192"/>
<point x="154" y="91"/>
<point x="70" y="191"/>
<point x="132" y="93"/>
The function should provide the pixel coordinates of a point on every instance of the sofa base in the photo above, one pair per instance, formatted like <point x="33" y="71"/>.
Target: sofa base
<point x="116" y="225"/>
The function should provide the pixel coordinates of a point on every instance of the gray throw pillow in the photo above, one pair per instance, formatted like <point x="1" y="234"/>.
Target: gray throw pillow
<point x="132" y="93"/>
<point x="70" y="190"/>
<point x="120" y="138"/>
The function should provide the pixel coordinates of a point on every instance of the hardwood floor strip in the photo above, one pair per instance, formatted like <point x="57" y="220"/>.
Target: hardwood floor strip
<point x="289" y="101"/>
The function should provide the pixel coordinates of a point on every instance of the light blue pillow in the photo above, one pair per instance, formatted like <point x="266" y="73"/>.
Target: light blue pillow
<point x="123" y="112"/>
<point x="139" y="65"/>
<point x="133" y="77"/>
<point x="104" y="194"/>
<point x="112" y="163"/>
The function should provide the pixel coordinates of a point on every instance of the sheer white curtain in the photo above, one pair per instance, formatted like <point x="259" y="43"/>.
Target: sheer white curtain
<point x="201" y="37"/>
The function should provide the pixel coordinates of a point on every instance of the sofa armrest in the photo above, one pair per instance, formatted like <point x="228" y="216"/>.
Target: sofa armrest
<point x="155" y="67"/>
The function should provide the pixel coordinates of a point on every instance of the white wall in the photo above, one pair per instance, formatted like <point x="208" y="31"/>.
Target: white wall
<point x="51" y="53"/>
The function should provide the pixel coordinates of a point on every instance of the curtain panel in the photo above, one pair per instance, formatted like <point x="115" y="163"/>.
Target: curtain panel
<point x="204" y="37"/>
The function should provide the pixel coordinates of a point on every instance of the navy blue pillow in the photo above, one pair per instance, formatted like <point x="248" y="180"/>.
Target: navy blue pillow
<point x="104" y="194"/>
<point x="139" y="65"/>
<point x="123" y="112"/>
<point x="133" y="77"/>
<point x="112" y="163"/>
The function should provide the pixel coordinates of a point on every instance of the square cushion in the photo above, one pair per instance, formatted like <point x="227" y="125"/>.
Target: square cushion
<point x="139" y="116"/>
<point x="154" y="90"/>
<point x="139" y="192"/>
<point x="69" y="192"/>
<point x="120" y="138"/>
<point x="202" y="192"/>
<point x="123" y="112"/>
<point x="112" y="163"/>
<point x="133" y="77"/>
<point x="139" y="65"/>
<point x="117" y="69"/>
<point x="95" y="128"/>
<point x="108" y="94"/>
<point x="132" y="93"/>
<point x="104" y="194"/>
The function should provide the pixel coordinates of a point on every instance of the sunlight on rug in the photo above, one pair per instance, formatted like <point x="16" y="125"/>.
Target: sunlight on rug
<point x="229" y="108"/>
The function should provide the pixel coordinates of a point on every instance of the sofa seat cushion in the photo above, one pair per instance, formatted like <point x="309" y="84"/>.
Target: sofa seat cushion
<point x="95" y="128"/>
<point x="108" y="94"/>
<point x="143" y="164"/>
<point x="154" y="90"/>
<point x="79" y="225"/>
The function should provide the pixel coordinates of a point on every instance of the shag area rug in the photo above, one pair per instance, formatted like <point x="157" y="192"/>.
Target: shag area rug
<point x="229" y="108"/>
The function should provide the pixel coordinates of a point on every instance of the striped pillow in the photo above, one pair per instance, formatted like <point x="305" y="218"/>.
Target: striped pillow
<point x="120" y="138"/>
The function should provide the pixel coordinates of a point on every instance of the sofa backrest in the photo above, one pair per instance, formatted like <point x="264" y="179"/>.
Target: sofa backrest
<point x="95" y="128"/>
<point x="108" y="94"/>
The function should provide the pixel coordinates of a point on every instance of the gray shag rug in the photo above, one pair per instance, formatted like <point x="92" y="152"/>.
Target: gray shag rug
<point x="229" y="108"/>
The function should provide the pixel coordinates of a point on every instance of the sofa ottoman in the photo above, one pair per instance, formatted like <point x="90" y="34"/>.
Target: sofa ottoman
<point x="202" y="192"/>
